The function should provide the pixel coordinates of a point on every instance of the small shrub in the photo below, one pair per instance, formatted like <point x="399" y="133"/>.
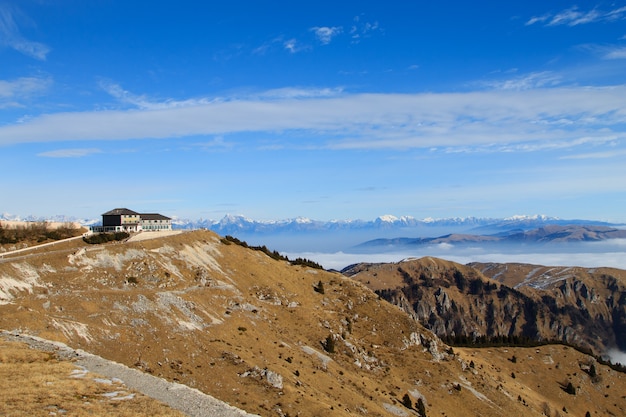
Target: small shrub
<point x="329" y="344"/>
<point x="100" y="238"/>
<point x="319" y="288"/>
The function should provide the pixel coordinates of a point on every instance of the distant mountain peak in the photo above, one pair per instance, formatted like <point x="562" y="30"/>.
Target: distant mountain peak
<point x="303" y="220"/>
<point x="521" y="217"/>
<point x="388" y="218"/>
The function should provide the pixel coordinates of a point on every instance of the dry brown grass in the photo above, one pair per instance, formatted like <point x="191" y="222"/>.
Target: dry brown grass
<point x="203" y="313"/>
<point x="34" y="383"/>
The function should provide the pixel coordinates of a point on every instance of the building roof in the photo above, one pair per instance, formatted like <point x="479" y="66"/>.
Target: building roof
<point x="121" y="212"/>
<point x="143" y="216"/>
<point x="153" y="216"/>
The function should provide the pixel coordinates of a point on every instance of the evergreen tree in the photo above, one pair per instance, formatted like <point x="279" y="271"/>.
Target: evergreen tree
<point x="406" y="401"/>
<point x="421" y="408"/>
<point x="592" y="371"/>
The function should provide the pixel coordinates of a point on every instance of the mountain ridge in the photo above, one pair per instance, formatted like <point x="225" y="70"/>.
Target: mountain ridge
<point x="481" y="301"/>
<point x="543" y="235"/>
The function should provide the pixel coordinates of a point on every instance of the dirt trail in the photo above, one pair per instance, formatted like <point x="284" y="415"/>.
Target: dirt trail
<point x="181" y="397"/>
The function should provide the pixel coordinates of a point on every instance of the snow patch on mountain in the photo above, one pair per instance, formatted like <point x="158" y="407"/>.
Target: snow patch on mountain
<point x="519" y="217"/>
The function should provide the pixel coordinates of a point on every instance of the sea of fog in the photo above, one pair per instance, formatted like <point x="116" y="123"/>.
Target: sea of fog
<point x="336" y="250"/>
<point x="609" y="253"/>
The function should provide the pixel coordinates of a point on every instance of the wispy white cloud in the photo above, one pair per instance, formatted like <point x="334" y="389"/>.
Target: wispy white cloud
<point x="574" y="17"/>
<point x="361" y="29"/>
<point x="607" y="52"/>
<point x="536" y="146"/>
<point x="69" y="153"/>
<point x="144" y="102"/>
<point x="12" y="92"/>
<point x="546" y="116"/>
<point x="526" y="81"/>
<point x="10" y="35"/>
<point x="292" y="45"/>
<point x="217" y="143"/>
<point x="294" y="92"/>
<point x="616" y="153"/>
<point x="537" y="19"/>
<point x="262" y="49"/>
<point x="617" y="14"/>
<point x="326" y="34"/>
<point x="616" y="53"/>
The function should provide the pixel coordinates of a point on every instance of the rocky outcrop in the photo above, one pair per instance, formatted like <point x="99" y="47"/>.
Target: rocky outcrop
<point x="460" y="304"/>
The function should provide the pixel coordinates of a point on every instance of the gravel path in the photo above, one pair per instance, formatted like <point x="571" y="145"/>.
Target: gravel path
<point x="181" y="397"/>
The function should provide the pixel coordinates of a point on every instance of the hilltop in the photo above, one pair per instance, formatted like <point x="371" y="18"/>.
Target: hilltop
<point x="278" y="339"/>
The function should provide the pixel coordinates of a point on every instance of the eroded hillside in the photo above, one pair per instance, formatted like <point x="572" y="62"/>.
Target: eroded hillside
<point x="586" y="308"/>
<point x="599" y="293"/>
<point x="276" y="339"/>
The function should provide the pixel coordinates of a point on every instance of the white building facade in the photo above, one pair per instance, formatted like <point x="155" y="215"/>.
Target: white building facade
<point x="125" y="220"/>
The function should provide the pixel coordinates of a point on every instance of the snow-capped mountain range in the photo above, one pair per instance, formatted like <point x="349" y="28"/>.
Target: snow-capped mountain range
<point x="302" y="234"/>
<point x="235" y="223"/>
<point x="238" y="223"/>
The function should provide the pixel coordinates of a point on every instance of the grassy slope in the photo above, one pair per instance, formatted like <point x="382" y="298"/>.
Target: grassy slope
<point x="34" y="383"/>
<point x="204" y="313"/>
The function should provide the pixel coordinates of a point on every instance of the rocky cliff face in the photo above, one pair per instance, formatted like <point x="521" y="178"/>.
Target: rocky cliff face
<point x="598" y="294"/>
<point x="461" y="303"/>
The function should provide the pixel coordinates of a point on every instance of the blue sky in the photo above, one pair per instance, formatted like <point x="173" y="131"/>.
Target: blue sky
<point x="327" y="110"/>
